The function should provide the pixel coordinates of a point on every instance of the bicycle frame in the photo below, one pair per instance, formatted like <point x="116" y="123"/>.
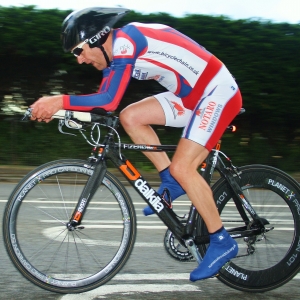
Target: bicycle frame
<point x="110" y="150"/>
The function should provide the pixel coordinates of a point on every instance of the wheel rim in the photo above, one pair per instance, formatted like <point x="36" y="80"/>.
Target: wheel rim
<point x="45" y="249"/>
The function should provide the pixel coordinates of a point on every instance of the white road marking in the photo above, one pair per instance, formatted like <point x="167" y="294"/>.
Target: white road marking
<point x="130" y="289"/>
<point x="151" y="276"/>
<point x="54" y="232"/>
<point x="176" y="203"/>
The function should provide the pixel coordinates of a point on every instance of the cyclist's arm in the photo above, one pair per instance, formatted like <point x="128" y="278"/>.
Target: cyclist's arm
<point x="114" y="83"/>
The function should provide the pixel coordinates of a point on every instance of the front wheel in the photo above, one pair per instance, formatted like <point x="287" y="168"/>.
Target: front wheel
<point x="271" y="259"/>
<point x="42" y="247"/>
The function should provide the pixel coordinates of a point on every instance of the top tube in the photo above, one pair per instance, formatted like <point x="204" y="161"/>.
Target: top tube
<point x="150" y="148"/>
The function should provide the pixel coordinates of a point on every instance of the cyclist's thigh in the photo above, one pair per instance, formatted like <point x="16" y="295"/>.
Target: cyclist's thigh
<point x="219" y="104"/>
<point x="175" y="113"/>
<point x="145" y="112"/>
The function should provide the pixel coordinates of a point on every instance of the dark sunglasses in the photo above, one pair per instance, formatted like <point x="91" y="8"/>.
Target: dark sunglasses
<point x="78" y="49"/>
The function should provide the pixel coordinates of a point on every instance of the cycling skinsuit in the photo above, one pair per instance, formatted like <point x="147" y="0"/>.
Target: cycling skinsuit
<point x="202" y="95"/>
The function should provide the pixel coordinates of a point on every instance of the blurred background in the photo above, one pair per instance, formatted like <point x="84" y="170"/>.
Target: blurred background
<point x="262" y="55"/>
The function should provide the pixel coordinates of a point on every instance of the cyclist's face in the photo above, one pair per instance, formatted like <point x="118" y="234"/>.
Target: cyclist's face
<point x="93" y="56"/>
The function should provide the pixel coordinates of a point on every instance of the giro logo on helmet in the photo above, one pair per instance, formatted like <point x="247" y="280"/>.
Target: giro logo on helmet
<point x="99" y="35"/>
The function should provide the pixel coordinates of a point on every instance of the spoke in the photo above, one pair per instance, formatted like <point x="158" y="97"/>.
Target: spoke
<point x="54" y="254"/>
<point x="77" y="251"/>
<point x="77" y="232"/>
<point x="62" y="197"/>
<point x="49" y="215"/>
<point x="67" y="256"/>
<point x="41" y="250"/>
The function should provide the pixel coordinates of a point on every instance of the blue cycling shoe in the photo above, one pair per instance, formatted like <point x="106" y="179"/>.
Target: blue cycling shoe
<point x="169" y="183"/>
<point x="221" y="249"/>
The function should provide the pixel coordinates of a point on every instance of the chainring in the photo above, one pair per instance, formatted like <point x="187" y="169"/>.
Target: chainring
<point x="175" y="249"/>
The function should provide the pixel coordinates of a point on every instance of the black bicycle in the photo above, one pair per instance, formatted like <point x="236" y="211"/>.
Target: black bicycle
<point x="60" y="236"/>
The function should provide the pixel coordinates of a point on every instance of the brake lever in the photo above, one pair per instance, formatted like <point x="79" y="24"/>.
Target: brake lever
<point x="61" y="124"/>
<point x="27" y="114"/>
<point x="71" y="123"/>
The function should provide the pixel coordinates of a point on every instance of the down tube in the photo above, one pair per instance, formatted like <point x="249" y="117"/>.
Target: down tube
<point x="153" y="199"/>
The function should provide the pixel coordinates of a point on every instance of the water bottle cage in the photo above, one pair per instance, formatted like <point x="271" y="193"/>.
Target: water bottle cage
<point x="167" y="200"/>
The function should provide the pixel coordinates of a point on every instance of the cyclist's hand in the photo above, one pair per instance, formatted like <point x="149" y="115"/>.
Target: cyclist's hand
<point x="44" y="108"/>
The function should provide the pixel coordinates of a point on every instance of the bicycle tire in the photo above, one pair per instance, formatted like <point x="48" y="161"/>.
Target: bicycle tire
<point x="54" y="258"/>
<point x="273" y="261"/>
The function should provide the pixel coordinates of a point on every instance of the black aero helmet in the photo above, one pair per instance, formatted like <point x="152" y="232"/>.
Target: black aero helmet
<point x="92" y="23"/>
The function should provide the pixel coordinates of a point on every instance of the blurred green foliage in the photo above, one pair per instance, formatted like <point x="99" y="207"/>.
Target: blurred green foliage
<point x="262" y="56"/>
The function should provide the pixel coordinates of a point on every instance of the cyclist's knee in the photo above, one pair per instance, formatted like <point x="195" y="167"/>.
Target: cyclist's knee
<point x="128" y="117"/>
<point x="178" y="171"/>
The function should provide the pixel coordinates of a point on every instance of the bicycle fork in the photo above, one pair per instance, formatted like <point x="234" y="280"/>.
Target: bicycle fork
<point x="87" y="194"/>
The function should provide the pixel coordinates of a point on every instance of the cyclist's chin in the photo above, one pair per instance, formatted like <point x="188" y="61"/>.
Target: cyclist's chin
<point x="98" y="66"/>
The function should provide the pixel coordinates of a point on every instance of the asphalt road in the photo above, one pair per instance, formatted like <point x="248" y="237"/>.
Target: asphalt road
<point x="150" y="272"/>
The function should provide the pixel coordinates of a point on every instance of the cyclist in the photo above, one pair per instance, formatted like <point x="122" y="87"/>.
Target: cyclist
<point x="201" y="97"/>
